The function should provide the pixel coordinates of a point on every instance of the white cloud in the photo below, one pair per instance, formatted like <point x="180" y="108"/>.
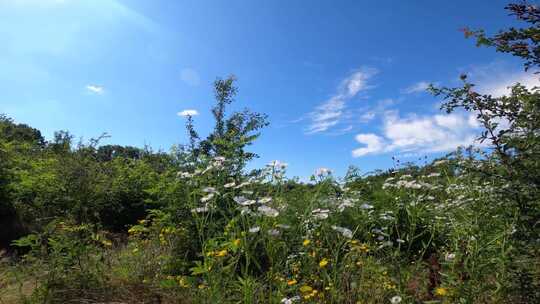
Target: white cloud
<point x="437" y="133"/>
<point x="418" y="87"/>
<point x="190" y="77"/>
<point x="331" y="112"/>
<point x="496" y="78"/>
<point x="95" y="89"/>
<point x="372" y="142"/>
<point x="500" y="87"/>
<point x="188" y="112"/>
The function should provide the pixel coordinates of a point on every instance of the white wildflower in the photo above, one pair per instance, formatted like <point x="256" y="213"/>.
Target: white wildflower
<point x="346" y="203"/>
<point x="268" y="211"/>
<point x="242" y="185"/>
<point x="246" y="210"/>
<point x="395" y="300"/>
<point x="386" y="217"/>
<point x="366" y="206"/>
<point x="254" y="229"/>
<point x="208" y="197"/>
<point x="290" y="300"/>
<point x="323" y="172"/>
<point x="200" y="209"/>
<point x="344" y="231"/>
<point x="449" y="257"/>
<point x="229" y="185"/>
<point x="274" y="232"/>
<point x="219" y="158"/>
<point x="440" y="162"/>
<point x="209" y="190"/>
<point x="277" y="164"/>
<point x="264" y="200"/>
<point x="184" y="175"/>
<point x="320" y="214"/>
<point x="283" y="226"/>
<point x="387" y="185"/>
<point x="240" y="200"/>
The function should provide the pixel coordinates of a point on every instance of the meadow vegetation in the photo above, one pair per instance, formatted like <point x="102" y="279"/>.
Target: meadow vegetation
<point x="83" y="222"/>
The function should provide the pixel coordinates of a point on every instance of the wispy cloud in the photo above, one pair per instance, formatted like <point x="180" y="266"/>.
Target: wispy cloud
<point x="436" y="133"/>
<point x="188" y="112"/>
<point x="418" y="87"/>
<point x="367" y="116"/>
<point x="370" y="113"/>
<point x="330" y="113"/>
<point x="190" y="77"/>
<point x="95" y="89"/>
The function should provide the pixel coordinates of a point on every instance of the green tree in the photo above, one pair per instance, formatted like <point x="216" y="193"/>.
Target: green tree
<point x="511" y="123"/>
<point x="231" y="135"/>
<point x="512" y="130"/>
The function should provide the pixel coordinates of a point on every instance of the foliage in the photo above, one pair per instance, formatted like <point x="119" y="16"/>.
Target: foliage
<point x="113" y="223"/>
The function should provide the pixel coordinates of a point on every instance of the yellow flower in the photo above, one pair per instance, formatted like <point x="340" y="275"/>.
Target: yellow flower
<point x="236" y="242"/>
<point x="306" y="242"/>
<point x="182" y="281"/>
<point x="306" y="288"/>
<point x="364" y="247"/>
<point x="323" y="262"/>
<point x="292" y="282"/>
<point x="221" y="253"/>
<point x="201" y="286"/>
<point x="106" y="243"/>
<point x="441" y="291"/>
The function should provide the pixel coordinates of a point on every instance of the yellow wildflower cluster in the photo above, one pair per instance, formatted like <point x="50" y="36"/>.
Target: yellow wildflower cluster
<point x="308" y="292"/>
<point x="164" y="233"/>
<point x="137" y="230"/>
<point x="362" y="247"/>
<point x="389" y="285"/>
<point x="217" y="253"/>
<point x="323" y="263"/>
<point x="182" y="281"/>
<point x="106" y="243"/>
<point x="441" y="291"/>
<point x="292" y="282"/>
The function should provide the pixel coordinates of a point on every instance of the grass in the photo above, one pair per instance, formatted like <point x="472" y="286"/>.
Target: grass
<point x="431" y="235"/>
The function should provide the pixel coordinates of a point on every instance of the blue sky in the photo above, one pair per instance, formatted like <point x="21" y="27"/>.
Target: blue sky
<point x="342" y="81"/>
